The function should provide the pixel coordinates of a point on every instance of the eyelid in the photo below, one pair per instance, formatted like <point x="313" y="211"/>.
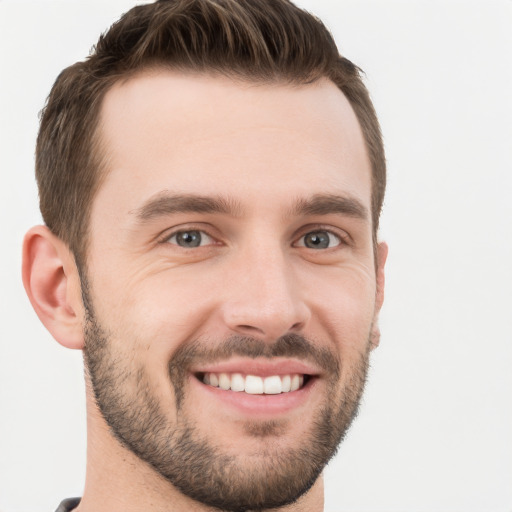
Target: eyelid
<point x="206" y="239"/>
<point x="338" y="240"/>
<point x="343" y="237"/>
<point x="164" y="237"/>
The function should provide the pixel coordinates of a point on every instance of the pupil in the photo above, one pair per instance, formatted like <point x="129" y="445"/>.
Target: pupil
<point x="317" y="240"/>
<point x="189" y="238"/>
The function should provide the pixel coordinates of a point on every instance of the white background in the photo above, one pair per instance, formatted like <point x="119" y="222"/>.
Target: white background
<point x="435" y="430"/>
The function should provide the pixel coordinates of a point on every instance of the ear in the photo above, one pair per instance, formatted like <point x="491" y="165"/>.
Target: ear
<point x="52" y="283"/>
<point x="382" y="255"/>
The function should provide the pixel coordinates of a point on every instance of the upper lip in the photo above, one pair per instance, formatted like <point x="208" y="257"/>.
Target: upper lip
<point x="261" y="366"/>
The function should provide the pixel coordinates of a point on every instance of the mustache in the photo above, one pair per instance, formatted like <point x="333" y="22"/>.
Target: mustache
<point x="289" y="345"/>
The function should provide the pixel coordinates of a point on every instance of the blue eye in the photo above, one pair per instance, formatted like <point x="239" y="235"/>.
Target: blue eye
<point x="190" y="238"/>
<point x="319" y="240"/>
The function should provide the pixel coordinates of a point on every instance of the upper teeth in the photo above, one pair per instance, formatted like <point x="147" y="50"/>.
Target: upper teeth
<point x="253" y="384"/>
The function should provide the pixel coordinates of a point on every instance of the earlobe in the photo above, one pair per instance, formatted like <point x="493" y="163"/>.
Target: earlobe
<point x="52" y="284"/>
<point x="382" y="254"/>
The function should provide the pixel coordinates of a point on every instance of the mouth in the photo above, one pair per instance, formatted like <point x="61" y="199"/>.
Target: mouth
<point x="255" y="384"/>
<point x="258" y="388"/>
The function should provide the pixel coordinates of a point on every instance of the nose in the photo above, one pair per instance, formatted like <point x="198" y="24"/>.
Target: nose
<point x="263" y="296"/>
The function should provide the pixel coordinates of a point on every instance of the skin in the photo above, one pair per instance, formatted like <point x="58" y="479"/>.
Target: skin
<point x="263" y="147"/>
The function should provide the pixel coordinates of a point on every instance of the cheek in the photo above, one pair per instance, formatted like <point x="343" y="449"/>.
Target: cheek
<point x="145" y="326"/>
<point x="348" y="317"/>
<point x="156" y="309"/>
<point x="155" y="313"/>
<point x="345" y="309"/>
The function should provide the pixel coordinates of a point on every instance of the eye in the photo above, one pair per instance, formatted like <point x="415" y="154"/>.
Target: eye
<point x="190" y="238"/>
<point x="320" y="239"/>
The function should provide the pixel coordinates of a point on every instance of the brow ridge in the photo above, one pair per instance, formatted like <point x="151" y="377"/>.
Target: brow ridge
<point x="164" y="203"/>
<point x="167" y="204"/>
<point x="325" y="204"/>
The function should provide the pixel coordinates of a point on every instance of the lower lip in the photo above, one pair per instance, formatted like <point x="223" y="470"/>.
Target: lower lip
<point x="260" y="405"/>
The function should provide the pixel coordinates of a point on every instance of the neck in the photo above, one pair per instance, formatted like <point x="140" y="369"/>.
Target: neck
<point x="117" y="480"/>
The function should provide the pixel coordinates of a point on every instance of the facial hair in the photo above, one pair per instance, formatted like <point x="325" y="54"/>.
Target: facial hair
<point x="178" y="451"/>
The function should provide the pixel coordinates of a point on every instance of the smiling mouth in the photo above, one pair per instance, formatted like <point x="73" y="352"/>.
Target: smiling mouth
<point x="254" y="384"/>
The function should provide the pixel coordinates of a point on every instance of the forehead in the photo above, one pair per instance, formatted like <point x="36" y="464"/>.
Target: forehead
<point x="200" y="134"/>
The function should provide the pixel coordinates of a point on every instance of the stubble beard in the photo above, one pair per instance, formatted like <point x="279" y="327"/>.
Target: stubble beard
<point x="184" y="457"/>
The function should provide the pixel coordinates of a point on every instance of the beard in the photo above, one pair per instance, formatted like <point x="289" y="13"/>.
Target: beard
<point x="192" y="463"/>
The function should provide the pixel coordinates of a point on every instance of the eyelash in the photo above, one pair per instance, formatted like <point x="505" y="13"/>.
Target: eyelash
<point x="166" y="237"/>
<point x="168" y="240"/>
<point x="342" y="238"/>
<point x="331" y="235"/>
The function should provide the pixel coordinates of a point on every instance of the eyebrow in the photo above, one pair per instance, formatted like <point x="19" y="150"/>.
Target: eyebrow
<point x="167" y="204"/>
<point x="326" y="204"/>
<point x="320" y="204"/>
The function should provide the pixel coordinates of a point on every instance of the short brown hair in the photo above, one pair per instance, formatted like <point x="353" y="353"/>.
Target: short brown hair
<point x="255" y="40"/>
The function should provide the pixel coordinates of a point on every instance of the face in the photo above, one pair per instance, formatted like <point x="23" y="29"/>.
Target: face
<point x="230" y="287"/>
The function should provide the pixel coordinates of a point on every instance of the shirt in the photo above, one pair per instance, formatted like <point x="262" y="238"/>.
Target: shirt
<point x="68" y="505"/>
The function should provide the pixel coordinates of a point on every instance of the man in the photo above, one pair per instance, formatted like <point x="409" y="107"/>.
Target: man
<point x="211" y="180"/>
